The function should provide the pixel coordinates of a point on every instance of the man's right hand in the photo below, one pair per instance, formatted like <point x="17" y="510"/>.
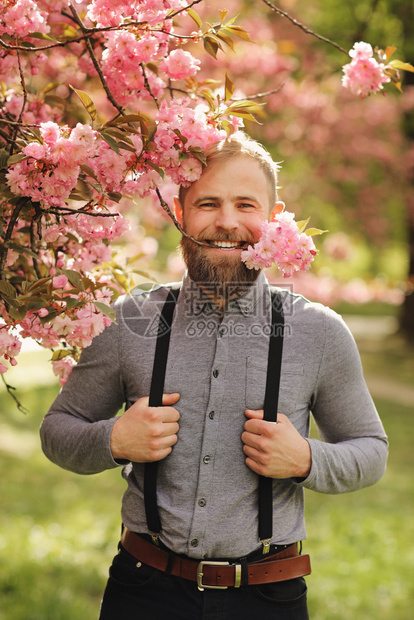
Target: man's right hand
<point x="144" y="434"/>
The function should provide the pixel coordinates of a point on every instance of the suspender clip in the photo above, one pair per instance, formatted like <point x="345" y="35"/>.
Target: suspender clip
<point x="155" y="539"/>
<point x="266" y="545"/>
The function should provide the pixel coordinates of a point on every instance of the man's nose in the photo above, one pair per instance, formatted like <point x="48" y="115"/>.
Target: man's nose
<point x="227" y="218"/>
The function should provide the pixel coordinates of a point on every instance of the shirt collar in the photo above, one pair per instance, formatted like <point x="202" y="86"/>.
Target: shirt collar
<point x="245" y="303"/>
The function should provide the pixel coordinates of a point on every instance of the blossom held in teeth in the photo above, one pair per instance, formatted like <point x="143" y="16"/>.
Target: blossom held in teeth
<point x="283" y="242"/>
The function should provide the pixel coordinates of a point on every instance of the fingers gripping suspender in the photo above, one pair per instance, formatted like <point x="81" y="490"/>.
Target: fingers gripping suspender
<point x="270" y="411"/>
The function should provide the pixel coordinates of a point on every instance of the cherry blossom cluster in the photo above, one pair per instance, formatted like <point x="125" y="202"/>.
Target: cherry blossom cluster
<point x="364" y="75"/>
<point x="10" y="346"/>
<point x="283" y="244"/>
<point x="50" y="169"/>
<point x="66" y="178"/>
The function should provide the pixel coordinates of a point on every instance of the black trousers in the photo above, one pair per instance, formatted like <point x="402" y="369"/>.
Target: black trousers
<point x="145" y="593"/>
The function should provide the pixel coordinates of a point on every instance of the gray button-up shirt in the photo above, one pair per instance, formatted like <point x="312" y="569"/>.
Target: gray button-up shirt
<point x="207" y="496"/>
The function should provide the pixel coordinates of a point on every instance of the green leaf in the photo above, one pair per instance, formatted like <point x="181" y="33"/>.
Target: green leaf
<point x="127" y="147"/>
<point x="156" y="168"/>
<point x="106" y="310"/>
<point x="20" y="248"/>
<point x="7" y="288"/>
<point x="229" y="88"/>
<point x="4" y="158"/>
<point x="228" y="127"/>
<point x="88" y="171"/>
<point x="223" y="14"/>
<point x="55" y="99"/>
<point x="42" y="282"/>
<point x="211" y="46"/>
<point x="35" y="305"/>
<point x="86" y="101"/>
<point x="73" y="277"/>
<point x="109" y="140"/>
<point x="114" y="196"/>
<point x="314" y="231"/>
<point x="198" y="154"/>
<point x="208" y="96"/>
<point x="118" y="133"/>
<point x="404" y="66"/>
<point x="129" y="118"/>
<point x="51" y="86"/>
<point x="72" y="302"/>
<point x="152" y="67"/>
<point x="121" y="279"/>
<point x="226" y="39"/>
<point x="302" y="224"/>
<point x="41" y="35"/>
<point x="194" y="16"/>
<point x="17" y="313"/>
<point x="88" y="284"/>
<point x="78" y="197"/>
<point x="247" y="116"/>
<point x="239" y="32"/>
<point x="178" y="133"/>
<point x="60" y="354"/>
<point x="14" y="159"/>
<point x="134" y="258"/>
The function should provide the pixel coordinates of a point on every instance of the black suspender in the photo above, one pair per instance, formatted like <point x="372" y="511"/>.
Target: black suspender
<point x="155" y="400"/>
<point x="270" y="411"/>
<point x="274" y="364"/>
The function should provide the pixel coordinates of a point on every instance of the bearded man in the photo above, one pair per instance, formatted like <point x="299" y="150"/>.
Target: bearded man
<point x="218" y="376"/>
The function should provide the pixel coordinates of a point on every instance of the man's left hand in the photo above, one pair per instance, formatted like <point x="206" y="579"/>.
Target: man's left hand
<point x="275" y="450"/>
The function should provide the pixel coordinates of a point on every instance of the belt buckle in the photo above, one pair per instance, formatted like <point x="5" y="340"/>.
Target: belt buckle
<point x="202" y="586"/>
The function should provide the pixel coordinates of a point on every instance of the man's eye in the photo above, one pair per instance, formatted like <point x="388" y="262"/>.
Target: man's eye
<point x="208" y="205"/>
<point x="246" y="205"/>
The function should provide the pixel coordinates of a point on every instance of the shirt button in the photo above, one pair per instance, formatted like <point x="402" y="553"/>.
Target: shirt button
<point x="207" y="459"/>
<point x="221" y="332"/>
<point x="202" y="502"/>
<point x="215" y="373"/>
<point x="211" y="415"/>
<point x="194" y="542"/>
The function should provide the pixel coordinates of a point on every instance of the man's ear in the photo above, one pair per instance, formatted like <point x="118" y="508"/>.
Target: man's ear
<point x="178" y="210"/>
<point x="278" y="208"/>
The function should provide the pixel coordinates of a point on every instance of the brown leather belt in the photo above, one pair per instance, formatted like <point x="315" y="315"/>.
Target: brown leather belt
<point x="287" y="564"/>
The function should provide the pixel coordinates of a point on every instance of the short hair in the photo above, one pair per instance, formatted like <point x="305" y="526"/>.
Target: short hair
<point x="239" y="143"/>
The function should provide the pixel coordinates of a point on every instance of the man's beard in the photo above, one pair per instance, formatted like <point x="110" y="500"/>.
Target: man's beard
<point x="227" y="276"/>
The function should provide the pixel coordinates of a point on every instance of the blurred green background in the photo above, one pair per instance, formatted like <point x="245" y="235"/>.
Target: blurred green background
<point x="59" y="531"/>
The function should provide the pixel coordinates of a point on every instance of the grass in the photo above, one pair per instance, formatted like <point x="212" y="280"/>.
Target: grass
<point x="58" y="531"/>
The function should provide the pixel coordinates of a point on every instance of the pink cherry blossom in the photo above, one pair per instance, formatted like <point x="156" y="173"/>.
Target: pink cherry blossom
<point x="283" y="244"/>
<point x="180" y="65"/>
<point x="35" y="150"/>
<point x="10" y="346"/>
<point x="60" y="281"/>
<point x="63" y="368"/>
<point x="363" y="75"/>
<point x="22" y="18"/>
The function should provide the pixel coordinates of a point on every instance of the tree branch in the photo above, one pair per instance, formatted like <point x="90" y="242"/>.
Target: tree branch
<point x="12" y="222"/>
<point x="94" y="59"/>
<point x="260" y="95"/>
<point x="9" y="389"/>
<point x="184" y="9"/>
<point x="177" y="223"/>
<point x="303" y="27"/>
<point x="147" y="85"/>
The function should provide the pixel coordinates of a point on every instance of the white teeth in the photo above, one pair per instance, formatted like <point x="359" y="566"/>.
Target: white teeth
<point x="226" y="244"/>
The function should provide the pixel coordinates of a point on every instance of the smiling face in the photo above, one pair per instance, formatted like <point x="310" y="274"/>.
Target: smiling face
<point x="225" y="207"/>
